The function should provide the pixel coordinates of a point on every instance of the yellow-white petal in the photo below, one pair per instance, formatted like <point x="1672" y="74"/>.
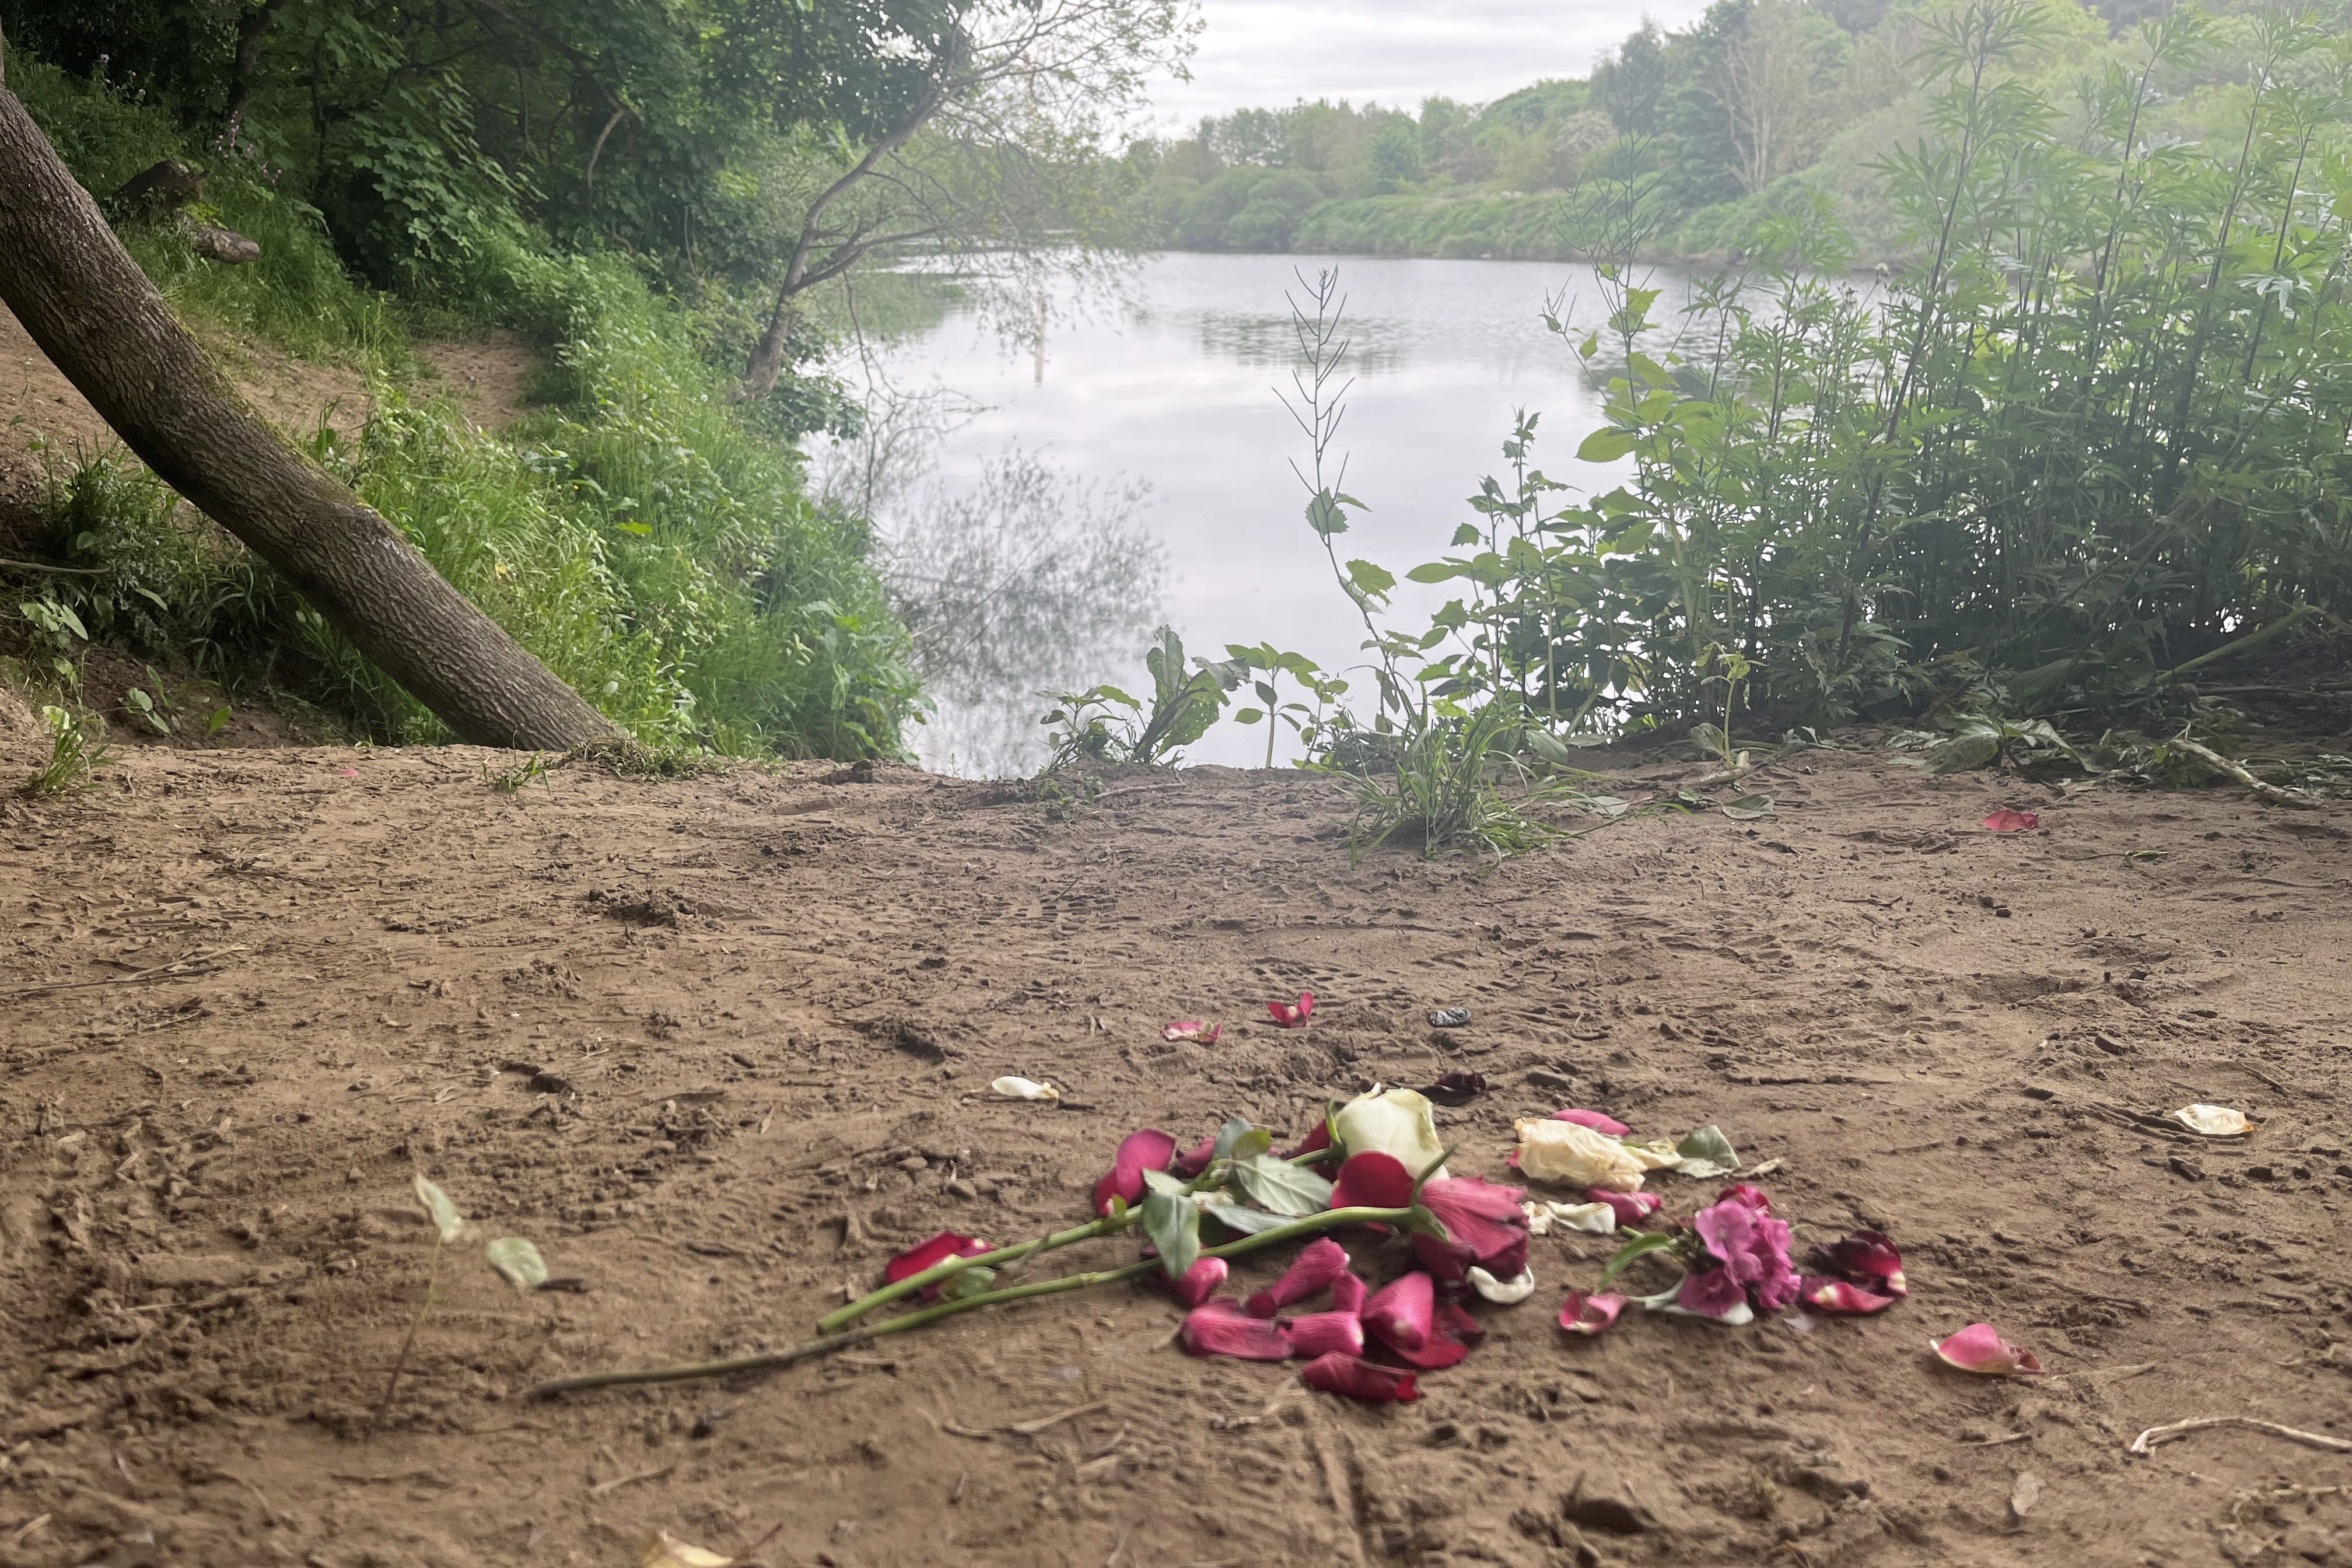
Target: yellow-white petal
<point x="1398" y="1122"/>
<point x="1503" y="1292"/>
<point x="2213" y="1120"/>
<point x="1565" y="1151"/>
<point x="1023" y="1089"/>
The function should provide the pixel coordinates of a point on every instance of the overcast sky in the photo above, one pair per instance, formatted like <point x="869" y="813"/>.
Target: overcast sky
<point x="1267" y="53"/>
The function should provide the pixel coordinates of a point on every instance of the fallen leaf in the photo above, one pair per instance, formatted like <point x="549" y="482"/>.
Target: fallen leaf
<point x="2213" y="1120"/>
<point x="518" y="1260"/>
<point x="2008" y="821"/>
<point x="1748" y="807"/>
<point x="1705" y="1154"/>
<point x="1022" y="1088"/>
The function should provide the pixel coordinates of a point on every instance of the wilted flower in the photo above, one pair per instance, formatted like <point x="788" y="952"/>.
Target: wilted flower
<point x="1148" y="1150"/>
<point x="1402" y="1312"/>
<point x="1372" y="1181"/>
<point x="1398" y="1122"/>
<point x="1585" y="1314"/>
<point x="1192" y="1031"/>
<point x="1292" y="1014"/>
<point x="1599" y="1120"/>
<point x="1570" y="1151"/>
<point x="1753" y="1248"/>
<point x="1221" y="1328"/>
<point x="1484" y="1228"/>
<point x="1842" y="1297"/>
<point x="1632" y="1208"/>
<point x="1319" y="1263"/>
<point x="1868" y="1258"/>
<point x="1358" y="1379"/>
<point x="1979" y="1349"/>
<point x="1322" y="1333"/>
<point x="1708" y="1293"/>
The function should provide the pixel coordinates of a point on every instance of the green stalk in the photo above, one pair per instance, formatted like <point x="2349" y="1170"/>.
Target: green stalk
<point x="1330" y="1219"/>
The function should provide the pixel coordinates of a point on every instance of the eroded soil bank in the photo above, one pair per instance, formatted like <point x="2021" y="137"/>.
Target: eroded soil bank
<point x="722" y="1046"/>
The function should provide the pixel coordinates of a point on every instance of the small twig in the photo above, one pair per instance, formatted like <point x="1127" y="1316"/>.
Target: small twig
<point x="68" y="571"/>
<point x="2147" y="1441"/>
<point x="2221" y="764"/>
<point x="177" y="967"/>
<point x="602" y="1487"/>
<point x="391" y="1384"/>
<point x="1031" y="1428"/>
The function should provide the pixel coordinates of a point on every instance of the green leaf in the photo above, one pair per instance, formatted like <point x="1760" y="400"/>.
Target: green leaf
<point x="1748" y="807"/>
<point x="1282" y="1187"/>
<point x="1607" y="445"/>
<point x="1173" y="1224"/>
<point x="1643" y="1244"/>
<point x="1371" y="578"/>
<point x="445" y="1215"/>
<point x="1324" y="514"/>
<point x="1706" y="1153"/>
<point x="518" y="1261"/>
<point x="1248" y="715"/>
<point x="967" y="1282"/>
<point x="1434" y="571"/>
<point x="1248" y="1221"/>
<point x="1231" y="1134"/>
<point x="1161" y="1181"/>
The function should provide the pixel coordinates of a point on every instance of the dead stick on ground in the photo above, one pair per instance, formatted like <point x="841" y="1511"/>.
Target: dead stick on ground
<point x="2147" y="1441"/>
<point x="2221" y="764"/>
<point x="178" y="966"/>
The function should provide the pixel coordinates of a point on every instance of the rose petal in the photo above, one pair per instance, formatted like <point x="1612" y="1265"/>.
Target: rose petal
<point x="1632" y="1208"/>
<point x="1192" y="1031"/>
<point x="2213" y="1120"/>
<point x="1202" y="1280"/>
<point x="1195" y="1159"/>
<point x="1022" y="1088"/>
<point x="1326" y="1334"/>
<point x="1319" y="1137"/>
<point x="1868" y="1258"/>
<point x="1476" y="1213"/>
<point x="1148" y="1150"/>
<point x="1586" y="1313"/>
<point x="1373" y="1181"/>
<point x="1451" y="1260"/>
<point x="931" y="1253"/>
<point x="1600" y="1121"/>
<point x="1221" y="1328"/>
<point x="1319" y="1263"/>
<point x="1753" y="1248"/>
<point x="1453" y="1333"/>
<point x="1746" y="1195"/>
<point x="2008" y="821"/>
<point x="1455" y="1088"/>
<point x="1398" y="1122"/>
<point x="1347" y="1292"/>
<point x="1401" y="1312"/>
<point x="1842" y="1297"/>
<point x="1508" y="1293"/>
<point x="1292" y="1014"/>
<point x="1555" y="1151"/>
<point x="1358" y="1379"/>
<point x="1709" y="1293"/>
<point x="1979" y="1349"/>
<point x="1592" y="1219"/>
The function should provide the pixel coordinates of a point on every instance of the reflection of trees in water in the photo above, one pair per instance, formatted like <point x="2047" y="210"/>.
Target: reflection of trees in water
<point x="1030" y="581"/>
<point x="1374" y="346"/>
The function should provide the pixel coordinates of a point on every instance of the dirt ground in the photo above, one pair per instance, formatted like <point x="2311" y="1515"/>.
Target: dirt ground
<point x="721" y="1047"/>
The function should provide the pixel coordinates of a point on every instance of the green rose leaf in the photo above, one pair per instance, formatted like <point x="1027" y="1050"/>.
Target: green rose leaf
<point x="1645" y="1242"/>
<point x="445" y="1215"/>
<point x="1748" y="807"/>
<point x="1231" y="1134"/>
<point x="1706" y="1153"/>
<point x="1161" y="1181"/>
<point x="1241" y="1221"/>
<point x="1281" y="1187"/>
<point x="518" y="1261"/>
<point x="1173" y="1224"/>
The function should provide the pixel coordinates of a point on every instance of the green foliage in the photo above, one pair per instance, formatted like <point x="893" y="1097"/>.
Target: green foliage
<point x="73" y="755"/>
<point x="1106" y="724"/>
<point x="1445" y="788"/>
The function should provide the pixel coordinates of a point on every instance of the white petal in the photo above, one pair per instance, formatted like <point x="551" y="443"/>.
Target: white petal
<point x="1023" y="1089"/>
<point x="1566" y="1152"/>
<point x="2213" y="1120"/>
<point x="1503" y="1292"/>
<point x="1593" y="1219"/>
<point x="1399" y="1122"/>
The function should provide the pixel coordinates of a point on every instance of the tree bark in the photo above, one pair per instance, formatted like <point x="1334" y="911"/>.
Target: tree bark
<point x="98" y="319"/>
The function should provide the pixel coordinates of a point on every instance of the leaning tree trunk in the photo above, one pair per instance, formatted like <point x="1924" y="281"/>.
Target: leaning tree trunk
<point x="97" y="316"/>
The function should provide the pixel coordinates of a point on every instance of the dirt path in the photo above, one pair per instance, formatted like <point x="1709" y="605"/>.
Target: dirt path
<point x="716" y="1046"/>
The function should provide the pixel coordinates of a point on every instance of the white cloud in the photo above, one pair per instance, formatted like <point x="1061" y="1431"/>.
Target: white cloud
<point x="1270" y="53"/>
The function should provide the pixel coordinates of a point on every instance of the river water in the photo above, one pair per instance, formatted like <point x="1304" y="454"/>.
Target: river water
<point x="1174" y="391"/>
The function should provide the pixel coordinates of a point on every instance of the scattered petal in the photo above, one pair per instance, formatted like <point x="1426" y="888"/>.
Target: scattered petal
<point x="1319" y="1138"/>
<point x="347" y="772"/>
<point x="1869" y="1260"/>
<point x="1319" y="1264"/>
<point x="1326" y="1334"/>
<point x="1478" y="1215"/>
<point x="1221" y="1328"/>
<point x="1347" y="1292"/>
<point x="1504" y="1292"/>
<point x="2008" y="821"/>
<point x="1397" y="1121"/>
<point x="1570" y="1151"/>
<point x="1203" y="1280"/>
<point x="1592" y="1219"/>
<point x="930" y="1255"/>
<point x="1148" y="1150"/>
<point x="2213" y="1120"/>
<point x="1372" y="1181"/>
<point x="1195" y="1159"/>
<point x="1292" y="1014"/>
<point x="1599" y="1120"/>
<point x="1979" y="1349"/>
<point x="1402" y="1312"/>
<point x="1632" y="1208"/>
<point x="1842" y="1297"/>
<point x="666" y="1550"/>
<point x="1022" y="1088"/>
<point x="1192" y="1031"/>
<point x="1586" y="1313"/>
<point x="1705" y="1154"/>
<point x="1452" y="1260"/>
<point x="1358" y="1379"/>
<point x="1710" y="1293"/>
<point x="1746" y="1195"/>
<point x="1456" y="1087"/>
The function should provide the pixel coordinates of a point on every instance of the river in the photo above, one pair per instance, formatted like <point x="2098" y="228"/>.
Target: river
<point x="1175" y="391"/>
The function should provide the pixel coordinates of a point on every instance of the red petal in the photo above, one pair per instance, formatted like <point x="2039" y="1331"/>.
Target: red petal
<point x="1403" y="1313"/>
<point x="1478" y="1215"/>
<point x="1841" y="1296"/>
<point x="1746" y="1195"/>
<point x="1598" y="1120"/>
<point x="1455" y="1088"/>
<point x="1195" y="1159"/>
<point x="1220" y="1328"/>
<point x="1358" y="1379"/>
<point x="1868" y="1257"/>
<point x="1451" y="1334"/>
<point x="1583" y="1313"/>
<point x="1979" y="1348"/>
<point x="932" y="1253"/>
<point x="1320" y="1138"/>
<point x="1319" y="1263"/>
<point x="1202" y="1280"/>
<point x="1292" y="1014"/>
<point x="2008" y="821"/>
<point x="1372" y="1180"/>
<point x="1326" y="1334"/>
<point x="1632" y="1208"/>
<point x="1149" y="1150"/>
<point x="1347" y="1292"/>
<point x="1192" y="1031"/>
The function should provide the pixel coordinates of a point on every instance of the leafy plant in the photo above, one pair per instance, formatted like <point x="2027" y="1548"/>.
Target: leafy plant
<point x="72" y="756"/>
<point x="1106" y="724"/>
<point x="515" y="1260"/>
<point x="1445" y="791"/>
<point x="1264" y="666"/>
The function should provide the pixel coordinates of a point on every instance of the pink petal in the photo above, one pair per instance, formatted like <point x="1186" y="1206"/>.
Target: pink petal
<point x="1455" y="1088"/>
<point x="1149" y="1150"/>
<point x="1632" y="1208"/>
<point x="1452" y="1260"/>
<point x="1358" y="1379"/>
<point x="1842" y="1297"/>
<point x="1326" y="1334"/>
<point x="1220" y="1328"/>
<point x="1753" y="1248"/>
<point x="1195" y="1159"/>
<point x="1979" y="1349"/>
<point x="932" y="1253"/>
<point x="1202" y="1280"/>
<point x="1478" y="1215"/>
<point x="1372" y="1180"/>
<point x="1868" y="1258"/>
<point x="347" y="772"/>
<point x="1711" y="1293"/>
<point x="1746" y="1195"/>
<point x="2008" y="821"/>
<point x="1597" y="1120"/>
<point x="1403" y="1313"/>
<point x="1347" y="1292"/>
<point x="1451" y="1333"/>
<point x="1585" y="1314"/>
<point x="1318" y="1263"/>
<point x="1292" y="1014"/>
<point x="1192" y="1031"/>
